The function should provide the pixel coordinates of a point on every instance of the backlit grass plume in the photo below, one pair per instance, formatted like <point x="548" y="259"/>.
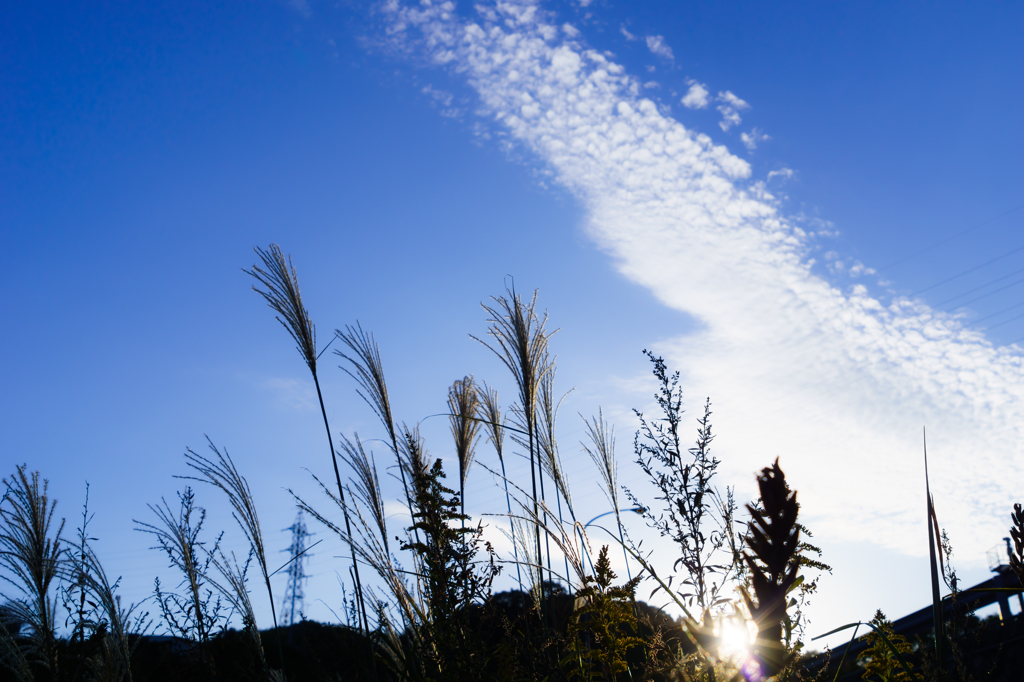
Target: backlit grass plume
<point x="31" y="552"/>
<point x="363" y="356"/>
<point x="773" y="537"/>
<point x="366" y="482"/>
<point x="462" y="409"/>
<point x="220" y="471"/>
<point x="602" y="453"/>
<point x="281" y="291"/>
<point x="235" y="589"/>
<point x="551" y="461"/>
<point x="368" y="371"/>
<point x="521" y="343"/>
<point x="489" y="411"/>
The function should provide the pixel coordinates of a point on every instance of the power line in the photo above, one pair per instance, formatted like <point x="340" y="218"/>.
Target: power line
<point x="994" y="291"/>
<point x="1016" y="317"/>
<point x="969" y="270"/>
<point x="998" y="313"/>
<point x="978" y="288"/>
<point x="952" y="237"/>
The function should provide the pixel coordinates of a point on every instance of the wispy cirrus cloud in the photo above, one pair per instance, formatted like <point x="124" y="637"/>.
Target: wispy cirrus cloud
<point x="808" y="366"/>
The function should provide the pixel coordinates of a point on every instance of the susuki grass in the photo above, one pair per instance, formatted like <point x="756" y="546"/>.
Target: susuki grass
<point x="424" y="589"/>
<point x="31" y="551"/>
<point x="279" y="286"/>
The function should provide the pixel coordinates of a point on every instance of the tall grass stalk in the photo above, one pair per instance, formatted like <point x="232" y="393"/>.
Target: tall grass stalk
<point x="32" y="552"/>
<point x="220" y="471"/>
<point x="117" y="619"/>
<point x="463" y="406"/>
<point x="490" y="414"/>
<point x="521" y="343"/>
<point x="403" y="600"/>
<point x="602" y="440"/>
<point x="11" y="656"/>
<point x="520" y="533"/>
<point x="99" y="608"/>
<point x="551" y="462"/>
<point x="572" y="543"/>
<point x="281" y="292"/>
<point x="368" y="372"/>
<point x="367" y="483"/>
<point x="235" y="589"/>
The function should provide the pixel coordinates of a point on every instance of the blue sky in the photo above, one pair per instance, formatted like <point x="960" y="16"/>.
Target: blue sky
<point x="801" y="265"/>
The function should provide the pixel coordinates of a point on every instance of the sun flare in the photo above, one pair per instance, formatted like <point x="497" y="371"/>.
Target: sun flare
<point x="733" y="639"/>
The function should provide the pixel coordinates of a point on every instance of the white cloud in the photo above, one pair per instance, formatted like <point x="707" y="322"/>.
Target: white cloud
<point x="696" y="97"/>
<point x="730" y="107"/>
<point x="784" y="173"/>
<point x="657" y="46"/>
<point x="625" y="32"/>
<point x="837" y="383"/>
<point x="752" y="139"/>
<point x="732" y="100"/>
<point x="858" y="269"/>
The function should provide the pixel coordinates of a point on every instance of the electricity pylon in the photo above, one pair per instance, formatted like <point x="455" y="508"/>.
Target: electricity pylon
<point x="293" y="595"/>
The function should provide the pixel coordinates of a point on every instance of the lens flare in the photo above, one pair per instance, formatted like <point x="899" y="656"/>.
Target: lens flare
<point x="733" y="639"/>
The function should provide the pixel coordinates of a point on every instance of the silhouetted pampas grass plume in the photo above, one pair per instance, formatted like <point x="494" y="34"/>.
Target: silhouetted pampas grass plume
<point x="462" y="410"/>
<point x="490" y="413"/>
<point x="368" y="371"/>
<point x="367" y="483"/>
<point x="220" y="471"/>
<point x="236" y="590"/>
<point x="281" y="292"/>
<point x="773" y="537"/>
<point x="31" y="551"/>
<point x="521" y="343"/>
<point x="551" y="461"/>
<point x="602" y="440"/>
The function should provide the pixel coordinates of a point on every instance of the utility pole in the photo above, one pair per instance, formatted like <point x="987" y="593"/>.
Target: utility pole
<point x="293" y="595"/>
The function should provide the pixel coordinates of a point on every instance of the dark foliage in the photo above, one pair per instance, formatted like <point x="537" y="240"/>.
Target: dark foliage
<point x="773" y="537"/>
<point x="696" y="517"/>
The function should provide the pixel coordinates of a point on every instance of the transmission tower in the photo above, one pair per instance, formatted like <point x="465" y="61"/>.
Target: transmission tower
<point x="293" y="595"/>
